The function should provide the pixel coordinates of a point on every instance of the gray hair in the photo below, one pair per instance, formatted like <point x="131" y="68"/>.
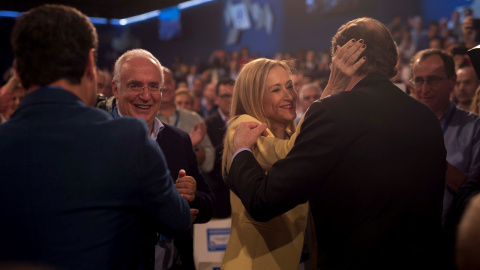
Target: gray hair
<point x="131" y="54"/>
<point x="308" y="86"/>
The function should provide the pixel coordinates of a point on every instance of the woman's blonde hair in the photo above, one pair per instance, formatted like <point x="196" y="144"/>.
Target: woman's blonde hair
<point x="474" y="107"/>
<point x="185" y="91"/>
<point x="248" y="95"/>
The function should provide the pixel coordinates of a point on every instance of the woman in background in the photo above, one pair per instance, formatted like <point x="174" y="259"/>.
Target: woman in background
<point x="475" y="106"/>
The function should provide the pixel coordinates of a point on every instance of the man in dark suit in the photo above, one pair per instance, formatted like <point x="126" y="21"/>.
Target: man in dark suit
<point x="216" y="127"/>
<point x="76" y="184"/>
<point x="370" y="161"/>
<point x="136" y="78"/>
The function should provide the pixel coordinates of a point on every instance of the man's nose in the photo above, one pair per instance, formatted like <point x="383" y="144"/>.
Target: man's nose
<point x="145" y="94"/>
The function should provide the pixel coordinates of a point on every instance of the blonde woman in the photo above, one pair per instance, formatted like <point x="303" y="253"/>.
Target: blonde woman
<point x="264" y="92"/>
<point x="184" y="98"/>
<point x="475" y="106"/>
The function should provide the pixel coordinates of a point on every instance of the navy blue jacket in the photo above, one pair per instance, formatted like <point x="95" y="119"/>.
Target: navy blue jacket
<point x="76" y="185"/>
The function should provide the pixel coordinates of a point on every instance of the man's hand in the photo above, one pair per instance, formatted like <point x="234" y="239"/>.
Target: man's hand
<point x="193" y="214"/>
<point x="345" y="63"/>
<point x="186" y="186"/>
<point x="455" y="178"/>
<point x="247" y="134"/>
<point x="197" y="133"/>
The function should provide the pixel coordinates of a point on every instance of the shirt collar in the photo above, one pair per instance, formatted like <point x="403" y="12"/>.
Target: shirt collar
<point x="447" y="111"/>
<point x="224" y="118"/>
<point x="157" y="125"/>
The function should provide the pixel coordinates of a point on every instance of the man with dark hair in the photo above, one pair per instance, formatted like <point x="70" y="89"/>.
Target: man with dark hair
<point x="465" y="86"/>
<point x="76" y="185"/>
<point x="373" y="177"/>
<point x="216" y="127"/>
<point x="434" y="78"/>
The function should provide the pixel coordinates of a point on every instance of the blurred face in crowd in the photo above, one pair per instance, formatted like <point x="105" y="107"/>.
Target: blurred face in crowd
<point x="197" y="87"/>
<point x="182" y="84"/>
<point x="308" y="96"/>
<point x="298" y="81"/>
<point x="431" y="84"/>
<point x="168" y="94"/>
<point x="279" y="98"/>
<point x="465" y="86"/>
<point x="18" y="93"/>
<point x="209" y="92"/>
<point x="101" y="82"/>
<point x="183" y="101"/>
<point x="224" y="99"/>
<point x="139" y="91"/>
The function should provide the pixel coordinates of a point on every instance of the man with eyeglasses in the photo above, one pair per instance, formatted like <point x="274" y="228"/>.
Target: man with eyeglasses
<point x="216" y="127"/>
<point x="137" y="85"/>
<point x="433" y="78"/>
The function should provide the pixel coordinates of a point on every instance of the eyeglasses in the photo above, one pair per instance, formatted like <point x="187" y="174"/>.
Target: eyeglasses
<point x="138" y="88"/>
<point x="433" y="81"/>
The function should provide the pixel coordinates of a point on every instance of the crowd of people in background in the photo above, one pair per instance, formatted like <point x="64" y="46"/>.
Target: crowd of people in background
<point x="455" y="35"/>
<point x="196" y="100"/>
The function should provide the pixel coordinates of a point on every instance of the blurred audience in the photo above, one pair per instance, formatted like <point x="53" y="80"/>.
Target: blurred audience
<point x="187" y="121"/>
<point x="216" y="127"/>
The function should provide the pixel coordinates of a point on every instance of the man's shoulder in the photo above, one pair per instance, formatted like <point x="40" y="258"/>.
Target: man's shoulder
<point x="127" y="128"/>
<point x="214" y="117"/>
<point x="469" y="117"/>
<point x="172" y="131"/>
<point x="189" y="115"/>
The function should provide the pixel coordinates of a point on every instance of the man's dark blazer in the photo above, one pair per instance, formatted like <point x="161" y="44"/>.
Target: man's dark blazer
<point x="76" y="184"/>
<point x="371" y="162"/>
<point x="177" y="147"/>
<point x="179" y="153"/>
<point x="216" y="128"/>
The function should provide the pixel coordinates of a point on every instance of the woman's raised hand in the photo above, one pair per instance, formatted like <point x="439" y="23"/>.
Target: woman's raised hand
<point x="345" y="63"/>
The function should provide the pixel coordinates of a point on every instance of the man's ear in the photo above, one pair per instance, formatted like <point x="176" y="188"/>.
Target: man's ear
<point x="15" y="72"/>
<point x="91" y="69"/>
<point x="452" y="81"/>
<point x="115" y="89"/>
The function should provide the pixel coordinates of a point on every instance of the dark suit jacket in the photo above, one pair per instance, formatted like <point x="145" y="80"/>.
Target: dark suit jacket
<point x="371" y="161"/>
<point x="216" y="131"/>
<point x="177" y="147"/>
<point x="75" y="185"/>
<point x="178" y="150"/>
